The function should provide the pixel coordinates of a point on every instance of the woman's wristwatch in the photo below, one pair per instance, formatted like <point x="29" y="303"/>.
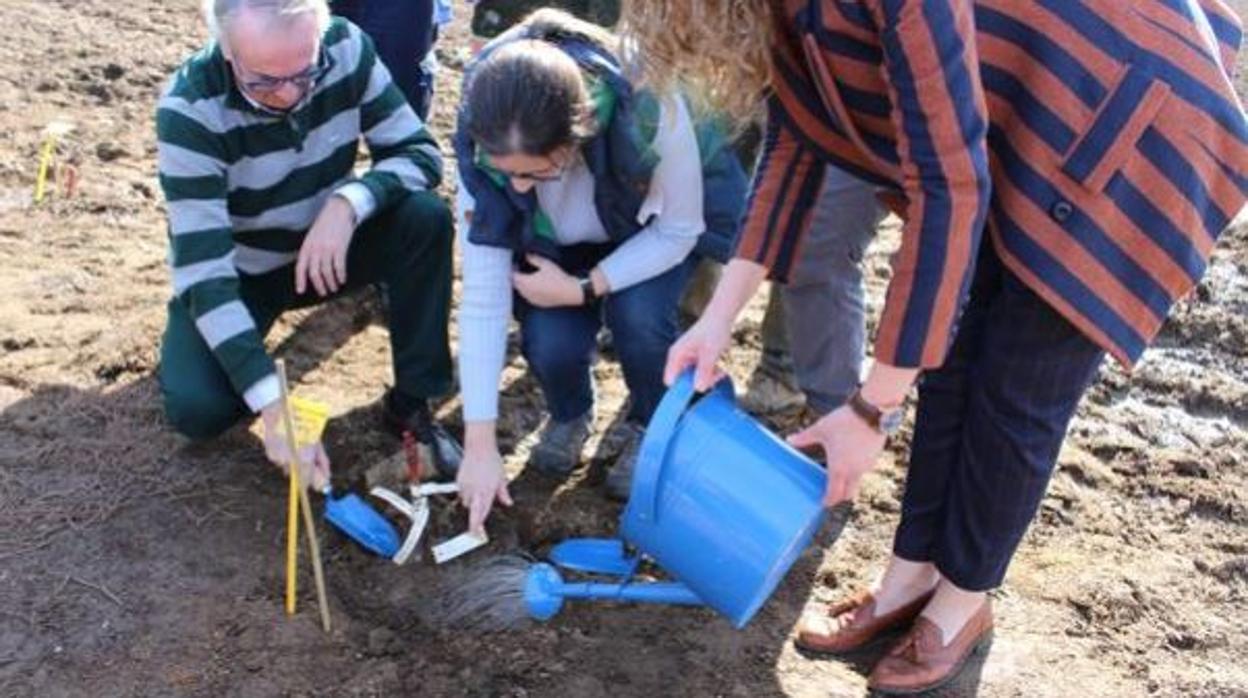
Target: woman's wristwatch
<point x="587" y="290"/>
<point x="885" y="421"/>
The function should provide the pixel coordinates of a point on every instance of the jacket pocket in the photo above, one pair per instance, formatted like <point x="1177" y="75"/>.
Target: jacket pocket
<point x="1118" y="124"/>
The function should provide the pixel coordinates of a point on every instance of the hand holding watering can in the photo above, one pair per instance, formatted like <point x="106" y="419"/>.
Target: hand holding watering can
<point x="851" y="442"/>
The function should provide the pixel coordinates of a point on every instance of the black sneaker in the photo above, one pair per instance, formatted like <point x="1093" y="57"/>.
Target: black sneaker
<point x="432" y="438"/>
<point x="620" y="477"/>
<point x="558" y="449"/>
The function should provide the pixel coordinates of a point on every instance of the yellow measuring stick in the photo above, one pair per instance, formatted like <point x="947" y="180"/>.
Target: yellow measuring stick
<point x="303" y="422"/>
<point x="292" y="524"/>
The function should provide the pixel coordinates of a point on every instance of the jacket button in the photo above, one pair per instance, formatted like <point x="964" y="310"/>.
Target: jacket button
<point x="1061" y="211"/>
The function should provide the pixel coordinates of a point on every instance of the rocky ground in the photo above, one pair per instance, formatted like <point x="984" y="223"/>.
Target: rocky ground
<point x="135" y="563"/>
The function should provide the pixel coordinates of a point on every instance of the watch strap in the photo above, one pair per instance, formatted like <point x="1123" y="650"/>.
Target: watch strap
<point x="587" y="290"/>
<point x="869" y="413"/>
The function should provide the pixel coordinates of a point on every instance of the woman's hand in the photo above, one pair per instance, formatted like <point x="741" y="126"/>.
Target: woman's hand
<point x="851" y="446"/>
<point x="706" y="341"/>
<point x="481" y="478"/>
<point x="549" y="286"/>
<point x="700" y="347"/>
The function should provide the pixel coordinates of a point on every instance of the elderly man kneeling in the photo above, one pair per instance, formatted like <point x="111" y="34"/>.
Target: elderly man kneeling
<point x="258" y="134"/>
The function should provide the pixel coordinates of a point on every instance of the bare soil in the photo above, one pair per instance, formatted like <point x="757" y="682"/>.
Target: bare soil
<point x="135" y="563"/>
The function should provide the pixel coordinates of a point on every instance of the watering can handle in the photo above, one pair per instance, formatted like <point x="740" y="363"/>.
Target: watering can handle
<point x="658" y="436"/>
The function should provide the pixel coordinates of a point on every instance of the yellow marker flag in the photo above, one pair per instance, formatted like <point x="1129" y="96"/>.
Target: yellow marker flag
<point x="309" y="417"/>
<point x="310" y="420"/>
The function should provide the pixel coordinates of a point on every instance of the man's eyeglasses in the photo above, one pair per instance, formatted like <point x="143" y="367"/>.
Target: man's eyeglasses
<point x="267" y="84"/>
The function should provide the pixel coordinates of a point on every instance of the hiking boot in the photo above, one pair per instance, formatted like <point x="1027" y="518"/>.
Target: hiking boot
<point x="558" y="449"/>
<point x="620" y="478"/>
<point x="436" y="445"/>
<point x="772" y="388"/>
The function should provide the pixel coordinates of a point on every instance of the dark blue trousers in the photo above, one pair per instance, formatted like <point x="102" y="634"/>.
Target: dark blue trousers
<point x="989" y="427"/>
<point x="403" y="33"/>
<point x="560" y="343"/>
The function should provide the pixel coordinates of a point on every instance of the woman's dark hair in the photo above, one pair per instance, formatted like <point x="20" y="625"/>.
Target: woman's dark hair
<point x="527" y="96"/>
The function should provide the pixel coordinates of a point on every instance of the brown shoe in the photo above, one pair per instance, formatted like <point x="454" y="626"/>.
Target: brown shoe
<point x="920" y="662"/>
<point x="851" y="624"/>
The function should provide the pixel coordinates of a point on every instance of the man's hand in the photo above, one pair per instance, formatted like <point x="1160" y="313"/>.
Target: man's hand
<point x="549" y="286"/>
<point x="314" y="467"/>
<point x="323" y="256"/>
<point x="481" y="478"/>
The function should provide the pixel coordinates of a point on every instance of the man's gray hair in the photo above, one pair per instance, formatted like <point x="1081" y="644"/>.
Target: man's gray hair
<point x="219" y="13"/>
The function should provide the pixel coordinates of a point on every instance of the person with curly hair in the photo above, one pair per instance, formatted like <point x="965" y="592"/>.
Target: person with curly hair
<point x="1097" y="171"/>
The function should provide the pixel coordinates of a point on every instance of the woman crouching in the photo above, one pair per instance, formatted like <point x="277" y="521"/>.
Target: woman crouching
<point x="588" y="202"/>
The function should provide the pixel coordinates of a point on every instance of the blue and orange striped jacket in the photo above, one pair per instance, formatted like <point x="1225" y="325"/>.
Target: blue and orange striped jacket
<point x="1099" y="142"/>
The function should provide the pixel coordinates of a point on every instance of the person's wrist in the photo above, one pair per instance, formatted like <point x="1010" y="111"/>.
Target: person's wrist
<point x="717" y="323"/>
<point x="598" y="282"/>
<point x="271" y="412"/>
<point x="480" y="438"/>
<point x="886" y="386"/>
<point x="345" y="209"/>
<point x="882" y="397"/>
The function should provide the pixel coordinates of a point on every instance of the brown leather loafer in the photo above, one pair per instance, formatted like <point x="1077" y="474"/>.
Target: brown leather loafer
<point x="851" y="624"/>
<point x="920" y="662"/>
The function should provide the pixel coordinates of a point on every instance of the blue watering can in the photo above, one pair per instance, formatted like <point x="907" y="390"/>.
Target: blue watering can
<point x="718" y="501"/>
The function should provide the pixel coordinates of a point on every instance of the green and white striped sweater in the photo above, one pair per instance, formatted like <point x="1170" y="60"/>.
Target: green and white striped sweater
<point x="244" y="184"/>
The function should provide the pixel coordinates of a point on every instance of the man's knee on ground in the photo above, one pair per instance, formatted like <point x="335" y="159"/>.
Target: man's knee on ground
<point x="199" y="416"/>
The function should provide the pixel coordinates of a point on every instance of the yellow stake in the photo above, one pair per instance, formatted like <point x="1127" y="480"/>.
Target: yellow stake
<point x="54" y="131"/>
<point x="45" y="162"/>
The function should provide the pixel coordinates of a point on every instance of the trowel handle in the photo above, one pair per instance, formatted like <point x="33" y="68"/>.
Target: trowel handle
<point x="432" y="488"/>
<point x="673" y="593"/>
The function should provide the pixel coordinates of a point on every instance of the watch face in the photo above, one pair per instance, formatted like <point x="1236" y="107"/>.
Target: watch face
<point x="890" y="422"/>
